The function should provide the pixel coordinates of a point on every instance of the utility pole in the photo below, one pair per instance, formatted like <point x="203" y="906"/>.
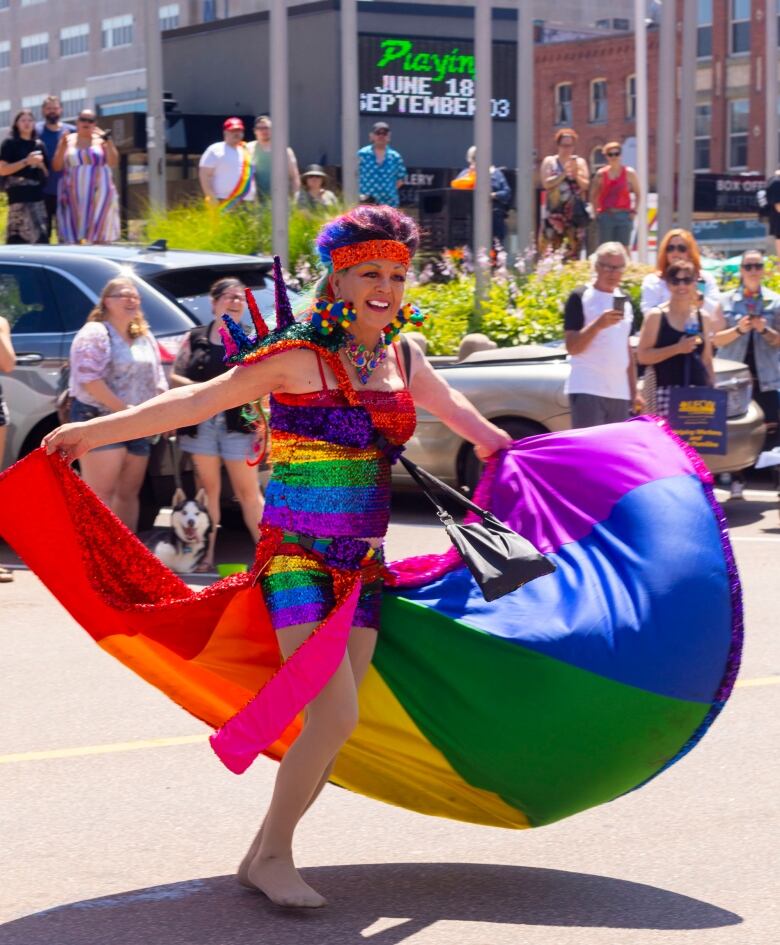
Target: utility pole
<point x="280" y="130"/>
<point x="687" y="116"/>
<point x="640" y="55"/>
<point x="483" y="54"/>
<point x="155" y="113"/>
<point x="350" y="109"/>
<point x="667" y="102"/>
<point x="525" y="185"/>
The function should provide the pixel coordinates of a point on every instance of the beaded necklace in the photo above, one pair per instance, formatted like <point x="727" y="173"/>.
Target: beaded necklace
<point x="327" y="315"/>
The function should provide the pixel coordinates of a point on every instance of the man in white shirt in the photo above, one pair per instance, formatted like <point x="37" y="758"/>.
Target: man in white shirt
<point x="225" y="169"/>
<point x="597" y="323"/>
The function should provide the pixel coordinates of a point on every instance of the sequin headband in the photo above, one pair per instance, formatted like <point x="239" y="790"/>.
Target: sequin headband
<point x="345" y="256"/>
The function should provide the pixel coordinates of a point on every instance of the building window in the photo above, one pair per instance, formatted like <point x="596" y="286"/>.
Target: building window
<point x="704" y="30"/>
<point x="702" y="136"/>
<point x="118" y="31"/>
<point x="598" y="100"/>
<point x="35" y="48"/>
<point x="631" y="97"/>
<point x="5" y="53"/>
<point x="169" y="16"/>
<point x="73" y="102"/>
<point x="33" y="102"/>
<point x="740" y="27"/>
<point x="563" y="103"/>
<point x="74" y="40"/>
<point x="5" y="113"/>
<point x="209" y="10"/>
<point x="739" y="117"/>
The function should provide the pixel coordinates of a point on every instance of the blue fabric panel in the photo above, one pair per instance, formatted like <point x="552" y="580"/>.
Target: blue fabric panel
<point x="643" y="599"/>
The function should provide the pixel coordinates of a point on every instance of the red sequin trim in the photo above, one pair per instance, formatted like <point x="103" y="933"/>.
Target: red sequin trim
<point x="346" y="256"/>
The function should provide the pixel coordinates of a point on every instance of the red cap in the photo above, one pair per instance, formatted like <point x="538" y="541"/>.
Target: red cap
<point x="233" y="124"/>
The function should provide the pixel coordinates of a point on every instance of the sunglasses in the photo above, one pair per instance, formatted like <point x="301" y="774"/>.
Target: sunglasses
<point x="681" y="280"/>
<point x="752" y="267"/>
<point x="608" y="268"/>
<point x="613" y="153"/>
<point x="382" y="133"/>
<point x="127" y="296"/>
<point x="88" y="121"/>
<point x="677" y="248"/>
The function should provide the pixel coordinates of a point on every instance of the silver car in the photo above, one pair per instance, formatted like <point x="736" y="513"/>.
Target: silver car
<point x="522" y="391"/>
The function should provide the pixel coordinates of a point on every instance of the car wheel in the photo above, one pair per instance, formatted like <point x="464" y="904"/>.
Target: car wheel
<point x="470" y="468"/>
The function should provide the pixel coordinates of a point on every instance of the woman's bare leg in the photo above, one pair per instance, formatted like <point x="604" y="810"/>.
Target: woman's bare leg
<point x="330" y="719"/>
<point x="128" y="488"/>
<point x="246" y="486"/>
<point x="361" y="646"/>
<point x="208" y="471"/>
<point x="100" y="469"/>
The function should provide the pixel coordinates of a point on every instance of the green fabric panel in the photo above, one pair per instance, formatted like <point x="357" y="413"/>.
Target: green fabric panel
<point x="549" y="738"/>
<point x="286" y="580"/>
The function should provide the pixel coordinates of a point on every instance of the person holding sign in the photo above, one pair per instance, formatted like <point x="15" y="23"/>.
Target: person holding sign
<point x="675" y="338"/>
<point x="749" y="331"/>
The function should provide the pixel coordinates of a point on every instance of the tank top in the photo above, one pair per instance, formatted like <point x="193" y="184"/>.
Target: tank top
<point x="329" y="478"/>
<point x="614" y="194"/>
<point x="672" y="371"/>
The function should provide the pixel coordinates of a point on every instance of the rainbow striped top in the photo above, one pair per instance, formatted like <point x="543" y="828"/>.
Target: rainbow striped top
<point x="329" y="478"/>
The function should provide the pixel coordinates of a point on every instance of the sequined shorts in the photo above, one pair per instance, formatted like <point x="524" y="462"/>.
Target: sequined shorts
<point x="298" y="588"/>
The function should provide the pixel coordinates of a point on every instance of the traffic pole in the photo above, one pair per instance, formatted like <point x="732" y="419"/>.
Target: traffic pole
<point x="483" y="54"/>
<point x="280" y="131"/>
<point x="664" y="165"/>
<point x="640" y="54"/>
<point x="687" y="116"/>
<point x="155" y="112"/>
<point x="350" y="112"/>
<point x="525" y="183"/>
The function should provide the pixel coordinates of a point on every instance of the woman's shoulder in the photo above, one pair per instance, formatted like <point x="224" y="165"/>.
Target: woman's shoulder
<point x="92" y="331"/>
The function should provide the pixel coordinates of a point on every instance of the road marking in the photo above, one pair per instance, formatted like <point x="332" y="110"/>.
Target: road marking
<point x="195" y="739"/>
<point x="103" y="749"/>
<point x="768" y="538"/>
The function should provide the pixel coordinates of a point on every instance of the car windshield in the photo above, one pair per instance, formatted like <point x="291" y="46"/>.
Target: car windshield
<point x="190" y="288"/>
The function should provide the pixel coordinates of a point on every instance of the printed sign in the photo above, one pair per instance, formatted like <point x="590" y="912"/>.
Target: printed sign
<point x="432" y="78"/>
<point x="726" y="193"/>
<point x="698" y="415"/>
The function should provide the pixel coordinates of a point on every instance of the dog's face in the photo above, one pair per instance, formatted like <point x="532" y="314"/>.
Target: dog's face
<point x="190" y="518"/>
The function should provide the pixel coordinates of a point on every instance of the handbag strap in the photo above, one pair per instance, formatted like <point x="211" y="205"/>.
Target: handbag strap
<point x="428" y="482"/>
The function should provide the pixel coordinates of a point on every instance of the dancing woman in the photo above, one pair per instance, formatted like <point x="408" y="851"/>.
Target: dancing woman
<point x="340" y="402"/>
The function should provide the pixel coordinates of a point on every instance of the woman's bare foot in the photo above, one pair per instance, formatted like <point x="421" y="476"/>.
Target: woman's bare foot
<point x="242" y="874"/>
<point x="278" y="878"/>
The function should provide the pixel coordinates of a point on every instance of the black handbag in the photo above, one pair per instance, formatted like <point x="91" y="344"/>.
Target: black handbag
<point x="499" y="559"/>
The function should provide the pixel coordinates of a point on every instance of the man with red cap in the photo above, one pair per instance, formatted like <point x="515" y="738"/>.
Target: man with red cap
<point x="225" y="169"/>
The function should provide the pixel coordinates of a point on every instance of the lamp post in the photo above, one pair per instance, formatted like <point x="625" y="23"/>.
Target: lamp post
<point x="770" y="89"/>
<point x="349" y="101"/>
<point x="640" y="55"/>
<point x="525" y="188"/>
<point x="664" y="165"/>
<point x="155" y="112"/>
<point x="483" y="55"/>
<point x="280" y="185"/>
<point x="687" y="116"/>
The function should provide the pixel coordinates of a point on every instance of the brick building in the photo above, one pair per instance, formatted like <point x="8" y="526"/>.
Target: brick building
<point x="589" y="85"/>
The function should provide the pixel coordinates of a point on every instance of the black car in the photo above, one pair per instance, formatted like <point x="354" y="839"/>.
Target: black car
<point x="46" y="292"/>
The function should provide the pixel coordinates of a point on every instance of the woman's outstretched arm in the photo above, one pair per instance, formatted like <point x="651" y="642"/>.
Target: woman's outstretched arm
<point x="178" y="407"/>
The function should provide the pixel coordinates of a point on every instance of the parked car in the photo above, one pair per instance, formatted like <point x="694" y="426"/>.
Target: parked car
<point x="46" y="292"/>
<point x="521" y="390"/>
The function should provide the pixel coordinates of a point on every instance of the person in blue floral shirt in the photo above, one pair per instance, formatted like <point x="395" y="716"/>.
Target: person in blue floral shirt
<point x="382" y="169"/>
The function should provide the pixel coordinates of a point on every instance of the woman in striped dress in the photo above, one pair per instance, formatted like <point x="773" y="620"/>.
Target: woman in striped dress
<point x="87" y="205"/>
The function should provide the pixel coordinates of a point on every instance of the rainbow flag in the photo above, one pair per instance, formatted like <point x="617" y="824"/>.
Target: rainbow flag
<point x="567" y="693"/>
<point x="243" y="183"/>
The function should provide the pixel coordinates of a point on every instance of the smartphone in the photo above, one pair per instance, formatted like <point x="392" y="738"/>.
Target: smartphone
<point x="619" y="302"/>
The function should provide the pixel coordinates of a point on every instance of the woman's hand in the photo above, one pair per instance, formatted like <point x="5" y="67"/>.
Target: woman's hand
<point x="71" y="441"/>
<point x="688" y="344"/>
<point x="486" y="449"/>
<point x="744" y="324"/>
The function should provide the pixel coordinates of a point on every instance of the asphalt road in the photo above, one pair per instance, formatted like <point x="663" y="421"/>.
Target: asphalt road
<point x="118" y="826"/>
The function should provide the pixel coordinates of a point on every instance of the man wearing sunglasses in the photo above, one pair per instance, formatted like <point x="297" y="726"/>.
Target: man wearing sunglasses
<point x="749" y="331"/>
<point x="382" y="169"/>
<point x="615" y="195"/>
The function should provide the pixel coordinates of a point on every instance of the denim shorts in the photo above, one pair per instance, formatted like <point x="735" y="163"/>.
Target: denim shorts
<point x="80" y="412"/>
<point x="214" y="439"/>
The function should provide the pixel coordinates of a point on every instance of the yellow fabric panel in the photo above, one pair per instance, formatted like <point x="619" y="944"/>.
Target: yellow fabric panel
<point x="389" y="759"/>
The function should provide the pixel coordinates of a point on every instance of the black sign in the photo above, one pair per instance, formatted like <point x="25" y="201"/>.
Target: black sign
<point x="699" y="416"/>
<point x="726" y="193"/>
<point x="430" y="78"/>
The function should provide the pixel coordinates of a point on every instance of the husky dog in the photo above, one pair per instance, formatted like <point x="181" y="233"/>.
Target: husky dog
<point x="184" y="544"/>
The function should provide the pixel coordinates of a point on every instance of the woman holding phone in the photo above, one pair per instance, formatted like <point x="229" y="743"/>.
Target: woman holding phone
<point x="24" y="166"/>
